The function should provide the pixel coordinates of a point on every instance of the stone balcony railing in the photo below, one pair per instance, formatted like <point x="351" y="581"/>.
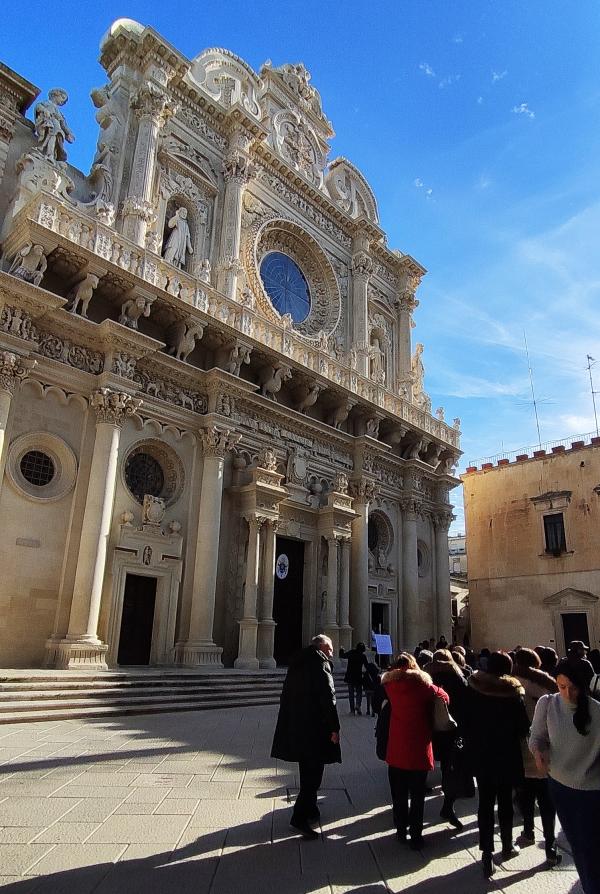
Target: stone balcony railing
<point x="56" y="216"/>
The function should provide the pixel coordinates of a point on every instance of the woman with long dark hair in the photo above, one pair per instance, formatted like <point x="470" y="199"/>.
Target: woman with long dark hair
<point x="565" y="742"/>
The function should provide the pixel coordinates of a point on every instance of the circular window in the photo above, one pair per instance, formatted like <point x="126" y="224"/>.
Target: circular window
<point x="37" y="468"/>
<point x="144" y="475"/>
<point x="286" y="285"/>
<point x="41" y="466"/>
<point x="151" y="467"/>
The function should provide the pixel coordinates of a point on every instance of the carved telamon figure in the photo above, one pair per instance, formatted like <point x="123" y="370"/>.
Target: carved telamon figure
<point x="179" y="242"/>
<point x="51" y="128"/>
<point x="133" y="309"/>
<point x="29" y="264"/>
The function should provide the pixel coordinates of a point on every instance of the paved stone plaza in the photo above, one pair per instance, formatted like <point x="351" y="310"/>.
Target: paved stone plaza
<point x="191" y="802"/>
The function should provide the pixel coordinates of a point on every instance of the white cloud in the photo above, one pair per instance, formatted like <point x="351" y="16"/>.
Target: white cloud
<point x="458" y="38"/>
<point x="484" y="181"/>
<point x="421" y="185"/>
<point x="418" y="182"/>
<point x="498" y="75"/>
<point x="449" y="80"/>
<point x="480" y="100"/>
<point x="426" y="67"/>
<point x="523" y="109"/>
<point x="429" y="193"/>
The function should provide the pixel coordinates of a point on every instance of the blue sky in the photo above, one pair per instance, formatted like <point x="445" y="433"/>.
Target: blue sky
<point x="477" y="124"/>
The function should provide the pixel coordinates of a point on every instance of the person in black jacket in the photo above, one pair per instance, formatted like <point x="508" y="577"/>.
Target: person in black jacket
<point x="308" y="727"/>
<point x="496" y="726"/>
<point x="357" y="663"/>
<point x="446" y="674"/>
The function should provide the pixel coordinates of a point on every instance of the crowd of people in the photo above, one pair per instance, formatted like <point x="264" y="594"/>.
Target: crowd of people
<point x="523" y="724"/>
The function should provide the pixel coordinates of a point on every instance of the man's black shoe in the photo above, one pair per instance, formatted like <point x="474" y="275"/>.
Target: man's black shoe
<point x="488" y="865"/>
<point x="304" y="829"/>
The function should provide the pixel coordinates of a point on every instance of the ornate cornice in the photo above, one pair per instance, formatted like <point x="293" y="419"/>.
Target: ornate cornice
<point x="113" y="407"/>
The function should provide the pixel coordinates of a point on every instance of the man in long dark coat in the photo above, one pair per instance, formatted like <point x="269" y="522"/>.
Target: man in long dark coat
<point x="308" y="727"/>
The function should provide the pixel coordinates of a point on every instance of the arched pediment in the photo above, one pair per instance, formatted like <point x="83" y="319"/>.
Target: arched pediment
<point x="228" y="79"/>
<point x="571" y="595"/>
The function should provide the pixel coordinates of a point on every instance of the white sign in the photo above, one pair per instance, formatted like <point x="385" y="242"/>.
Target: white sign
<point x="282" y="566"/>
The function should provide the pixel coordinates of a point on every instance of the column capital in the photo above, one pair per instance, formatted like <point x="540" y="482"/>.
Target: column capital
<point x="217" y="442"/>
<point x="442" y="519"/>
<point x="113" y="407"/>
<point x="411" y="507"/>
<point x="256" y="520"/>
<point x="237" y="168"/>
<point x="406" y="302"/>
<point x="13" y="369"/>
<point x="152" y="102"/>
<point x="362" y="265"/>
<point x="363" y="490"/>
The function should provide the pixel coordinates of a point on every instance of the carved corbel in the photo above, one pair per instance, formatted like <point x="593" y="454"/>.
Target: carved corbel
<point x="182" y="336"/>
<point x="311" y="395"/>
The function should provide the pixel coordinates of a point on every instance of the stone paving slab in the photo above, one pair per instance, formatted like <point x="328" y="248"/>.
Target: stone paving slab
<point x="193" y="803"/>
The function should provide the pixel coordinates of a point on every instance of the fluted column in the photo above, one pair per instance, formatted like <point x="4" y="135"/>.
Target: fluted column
<point x="237" y="171"/>
<point x="81" y="646"/>
<point x="200" y="649"/>
<point x="331" y="607"/>
<point x="345" y="633"/>
<point x="362" y="268"/>
<point x="248" y="635"/>
<point x="13" y="369"/>
<point x="363" y="492"/>
<point x="266" y="624"/>
<point x="153" y="108"/>
<point x="410" y="573"/>
<point x="442" y="523"/>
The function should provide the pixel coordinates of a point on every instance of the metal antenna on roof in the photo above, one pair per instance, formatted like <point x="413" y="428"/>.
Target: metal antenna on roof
<point x="591" y="360"/>
<point x="537" y="421"/>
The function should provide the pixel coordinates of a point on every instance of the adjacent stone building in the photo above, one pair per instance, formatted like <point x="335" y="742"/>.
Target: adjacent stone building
<point x="533" y="529"/>
<point x="214" y="436"/>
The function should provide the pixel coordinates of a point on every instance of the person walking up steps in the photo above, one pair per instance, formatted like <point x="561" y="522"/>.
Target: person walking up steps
<point x="357" y="663"/>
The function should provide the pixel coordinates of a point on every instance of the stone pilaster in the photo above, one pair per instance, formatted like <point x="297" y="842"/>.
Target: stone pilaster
<point x="81" y="647"/>
<point x="345" y="631"/>
<point x="410" y="572"/>
<point x="13" y="369"/>
<point x="199" y="648"/>
<point x="153" y="108"/>
<point x="248" y="637"/>
<point x="363" y="491"/>
<point x="331" y="608"/>
<point x="266" y="624"/>
<point x="441" y="522"/>
<point x="405" y="305"/>
<point x="237" y="171"/>
<point x="362" y="268"/>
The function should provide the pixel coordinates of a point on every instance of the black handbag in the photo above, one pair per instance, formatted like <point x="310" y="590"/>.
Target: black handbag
<point x="458" y="777"/>
<point x="382" y="730"/>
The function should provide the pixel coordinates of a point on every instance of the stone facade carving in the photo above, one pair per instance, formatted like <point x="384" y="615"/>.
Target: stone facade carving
<point x="420" y="398"/>
<point x="239" y="354"/>
<point x="77" y="356"/>
<point x="82" y="294"/>
<point x="182" y="337"/>
<point x="272" y="378"/>
<point x="29" y="264"/>
<point x="134" y="308"/>
<point x="153" y="510"/>
<point x="13" y="369"/>
<point x="51" y="129"/>
<point x="113" y="407"/>
<point x="216" y="442"/>
<point x="178" y="243"/>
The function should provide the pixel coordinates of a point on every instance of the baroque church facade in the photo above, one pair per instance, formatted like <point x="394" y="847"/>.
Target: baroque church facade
<point x="214" y="436"/>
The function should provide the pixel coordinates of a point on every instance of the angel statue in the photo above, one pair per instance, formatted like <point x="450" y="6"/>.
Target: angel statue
<point x="179" y="242"/>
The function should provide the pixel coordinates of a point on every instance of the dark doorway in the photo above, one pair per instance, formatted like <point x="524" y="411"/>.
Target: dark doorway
<point x="137" y="619"/>
<point x="287" y="601"/>
<point x="575" y="626"/>
<point x="379" y="617"/>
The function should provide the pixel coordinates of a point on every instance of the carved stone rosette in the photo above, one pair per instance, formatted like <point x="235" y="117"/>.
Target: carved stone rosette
<point x="113" y="407"/>
<point x="13" y="369"/>
<point x="217" y="442"/>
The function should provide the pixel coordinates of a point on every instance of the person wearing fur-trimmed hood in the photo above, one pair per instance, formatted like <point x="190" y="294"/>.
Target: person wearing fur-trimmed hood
<point x="409" y="753"/>
<point x="496" y="727"/>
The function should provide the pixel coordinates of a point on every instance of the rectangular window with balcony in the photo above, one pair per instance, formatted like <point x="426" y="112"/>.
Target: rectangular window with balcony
<point x="554" y="532"/>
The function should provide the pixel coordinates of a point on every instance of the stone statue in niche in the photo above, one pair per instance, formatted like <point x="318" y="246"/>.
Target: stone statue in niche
<point x="82" y="294"/>
<point x="179" y="241"/>
<point x="29" y="264"/>
<point x="377" y="363"/>
<point x="133" y="309"/>
<point x="51" y="129"/>
<point x="182" y="337"/>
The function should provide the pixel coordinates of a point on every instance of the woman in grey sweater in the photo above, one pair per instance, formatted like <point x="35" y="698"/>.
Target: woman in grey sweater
<point x="565" y="742"/>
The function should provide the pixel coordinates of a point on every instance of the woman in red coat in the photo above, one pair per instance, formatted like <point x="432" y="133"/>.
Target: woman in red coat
<point x="409" y="754"/>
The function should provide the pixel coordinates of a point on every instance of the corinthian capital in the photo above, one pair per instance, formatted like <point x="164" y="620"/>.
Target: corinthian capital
<point x="238" y="167"/>
<point x="216" y="442"/>
<point x="411" y="507"/>
<point x="13" y="369"/>
<point x="363" y="489"/>
<point x="113" y="407"/>
<point x="152" y="102"/>
<point x="442" y="520"/>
